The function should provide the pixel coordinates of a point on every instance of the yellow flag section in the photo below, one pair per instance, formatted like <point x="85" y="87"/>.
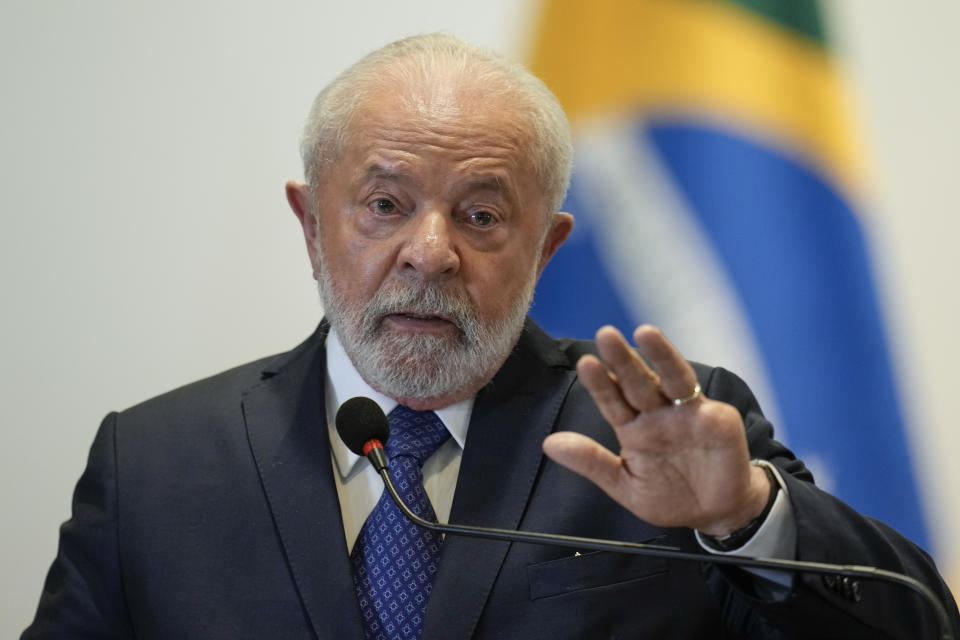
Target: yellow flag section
<point x="709" y="56"/>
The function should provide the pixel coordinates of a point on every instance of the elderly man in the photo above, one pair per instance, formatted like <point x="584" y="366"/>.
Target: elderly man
<point x="230" y="508"/>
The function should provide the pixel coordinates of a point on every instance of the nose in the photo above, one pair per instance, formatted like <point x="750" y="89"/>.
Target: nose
<point x="430" y="249"/>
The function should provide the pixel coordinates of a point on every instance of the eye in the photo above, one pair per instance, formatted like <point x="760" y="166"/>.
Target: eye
<point x="482" y="218"/>
<point x="384" y="206"/>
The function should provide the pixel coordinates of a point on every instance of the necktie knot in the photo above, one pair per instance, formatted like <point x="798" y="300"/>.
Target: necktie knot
<point x="414" y="433"/>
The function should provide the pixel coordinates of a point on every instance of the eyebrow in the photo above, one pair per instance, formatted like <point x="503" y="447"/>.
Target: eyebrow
<point x="379" y="171"/>
<point x="485" y="183"/>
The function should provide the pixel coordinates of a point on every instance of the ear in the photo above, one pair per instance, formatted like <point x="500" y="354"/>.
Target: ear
<point x="298" y="195"/>
<point x="561" y="225"/>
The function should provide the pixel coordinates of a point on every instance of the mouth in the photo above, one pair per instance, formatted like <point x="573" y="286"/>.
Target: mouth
<point x="418" y="322"/>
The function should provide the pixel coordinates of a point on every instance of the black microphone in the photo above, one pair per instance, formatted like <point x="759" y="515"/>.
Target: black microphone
<point x="364" y="428"/>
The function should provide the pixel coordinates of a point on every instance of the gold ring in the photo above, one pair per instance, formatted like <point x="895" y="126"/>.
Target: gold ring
<point x="679" y="402"/>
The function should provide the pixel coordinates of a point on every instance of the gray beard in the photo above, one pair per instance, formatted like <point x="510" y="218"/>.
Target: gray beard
<point x="423" y="365"/>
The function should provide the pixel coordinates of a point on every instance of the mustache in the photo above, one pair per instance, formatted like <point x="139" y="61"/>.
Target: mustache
<point x="421" y="298"/>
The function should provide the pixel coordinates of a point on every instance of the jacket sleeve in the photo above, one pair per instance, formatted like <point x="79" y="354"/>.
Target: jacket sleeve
<point x="828" y="530"/>
<point x="83" y="594"/>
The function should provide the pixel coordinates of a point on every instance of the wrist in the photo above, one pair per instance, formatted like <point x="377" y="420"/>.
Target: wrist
<point x="726" y="538"/>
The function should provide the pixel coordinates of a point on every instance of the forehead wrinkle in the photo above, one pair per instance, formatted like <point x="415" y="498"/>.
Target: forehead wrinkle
<point x="452" y="133"/>
<point x="483" y="149"/>
<point x="399" y="161"/>
<point x="449" y="111"/>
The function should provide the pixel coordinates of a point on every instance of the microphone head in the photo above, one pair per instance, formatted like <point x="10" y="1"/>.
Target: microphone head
<point x="359" y="420"/>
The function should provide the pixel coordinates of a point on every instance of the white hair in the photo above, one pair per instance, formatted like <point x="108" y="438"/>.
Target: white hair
<point x="422" y="59"/>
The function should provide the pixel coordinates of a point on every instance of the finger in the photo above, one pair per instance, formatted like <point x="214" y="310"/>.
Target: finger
<point x="639" y="385"/>
<point x="605" y="391"/>
<point x="585" y="456"/>
<point x="677" y="378"/>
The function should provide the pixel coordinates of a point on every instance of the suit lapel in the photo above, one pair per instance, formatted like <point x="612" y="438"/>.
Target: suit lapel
<point x="502" y="456"/>
<point x="286" y="426"/>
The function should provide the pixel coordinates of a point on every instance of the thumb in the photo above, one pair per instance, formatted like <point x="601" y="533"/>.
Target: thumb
<point x="585" y="456"/>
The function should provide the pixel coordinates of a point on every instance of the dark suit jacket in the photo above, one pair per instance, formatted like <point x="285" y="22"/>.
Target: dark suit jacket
<point x="210" y="512"/>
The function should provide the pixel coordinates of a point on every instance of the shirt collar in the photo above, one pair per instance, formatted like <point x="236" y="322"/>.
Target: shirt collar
<point x="344" y="382"/>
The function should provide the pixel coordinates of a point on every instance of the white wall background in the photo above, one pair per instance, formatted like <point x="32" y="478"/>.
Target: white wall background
<point x="145" y="240"/>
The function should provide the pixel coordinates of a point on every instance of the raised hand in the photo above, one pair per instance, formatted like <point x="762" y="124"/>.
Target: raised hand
<point x="682" y="463"/>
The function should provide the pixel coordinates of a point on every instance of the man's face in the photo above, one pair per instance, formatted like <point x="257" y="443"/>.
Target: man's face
<point x="432" y="233"/>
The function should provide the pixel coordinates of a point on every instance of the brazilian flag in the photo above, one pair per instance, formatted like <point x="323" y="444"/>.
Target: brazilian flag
<point x="717" y="191"/>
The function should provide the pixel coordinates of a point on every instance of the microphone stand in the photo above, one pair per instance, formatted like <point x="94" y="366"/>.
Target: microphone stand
<point x="662" y="551"/>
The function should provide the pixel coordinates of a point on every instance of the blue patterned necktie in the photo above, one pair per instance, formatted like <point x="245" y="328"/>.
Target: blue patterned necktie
<point x="394" y="560"/>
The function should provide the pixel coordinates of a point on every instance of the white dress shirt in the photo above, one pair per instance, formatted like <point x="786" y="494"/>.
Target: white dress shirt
<point x="359" y="487"/>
